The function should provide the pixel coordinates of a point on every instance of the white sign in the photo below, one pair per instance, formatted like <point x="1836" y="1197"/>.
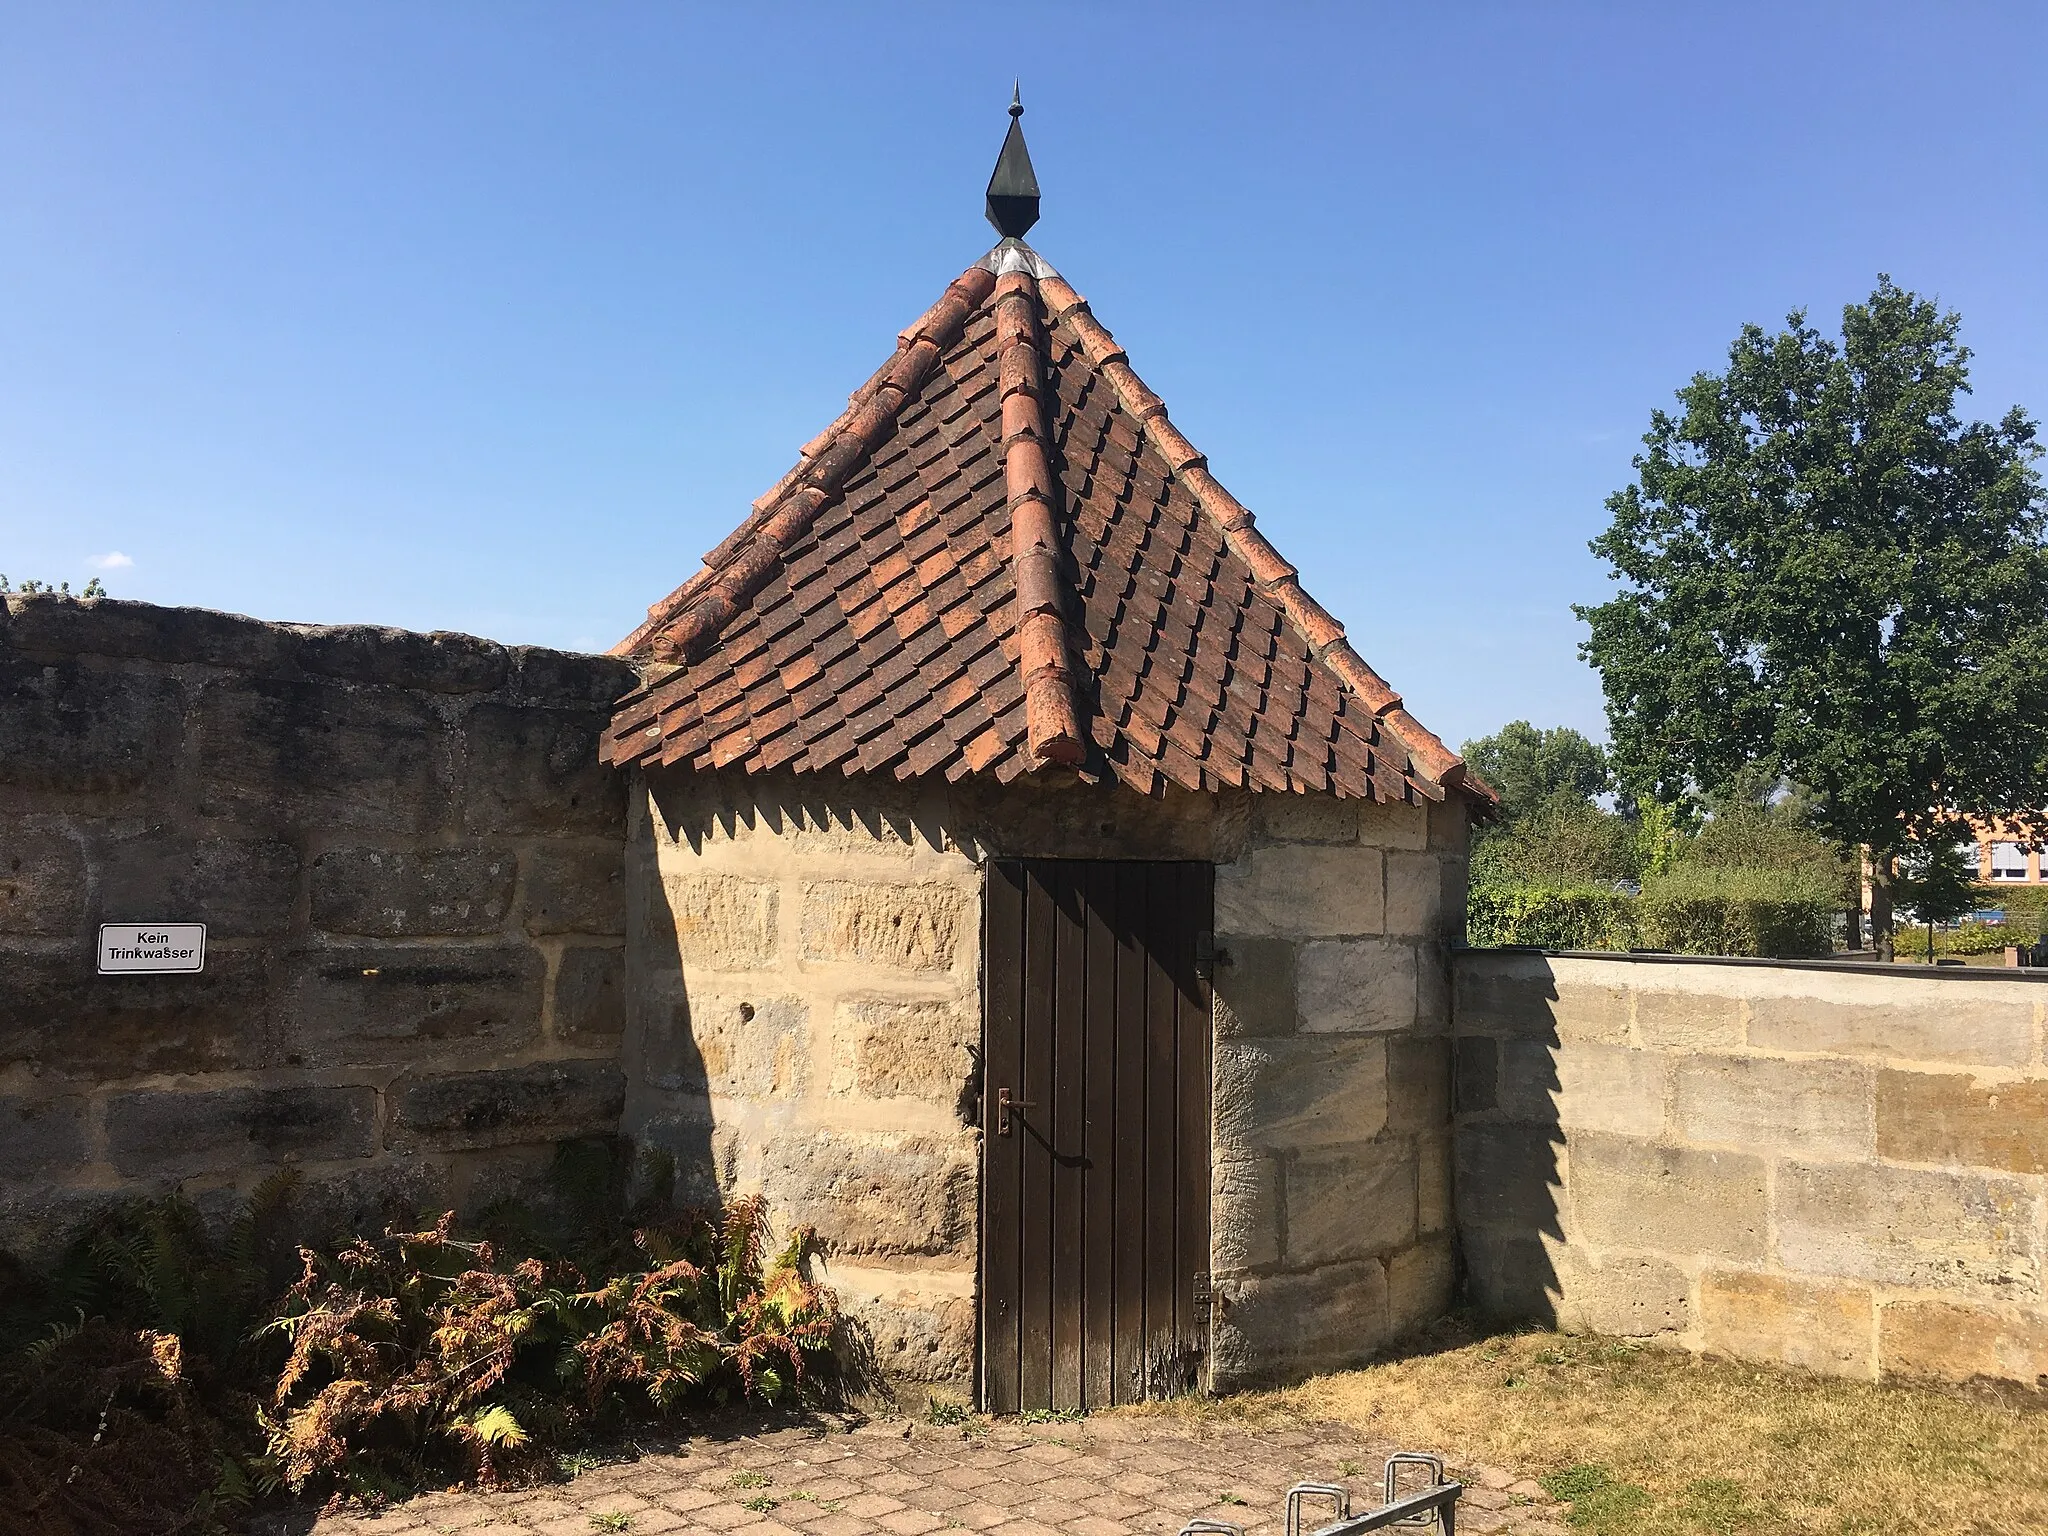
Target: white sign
<point x="152" y="947"/>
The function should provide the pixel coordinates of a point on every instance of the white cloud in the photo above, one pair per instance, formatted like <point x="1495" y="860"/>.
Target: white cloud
<point x="114" y="561"/>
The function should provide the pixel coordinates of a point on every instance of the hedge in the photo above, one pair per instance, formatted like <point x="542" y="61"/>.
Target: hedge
<point x="1550" y="916"/>
<point x="1776" y="913"/>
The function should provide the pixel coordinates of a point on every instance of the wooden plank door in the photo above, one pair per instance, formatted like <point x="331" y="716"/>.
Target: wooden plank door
<point x="1095" y="1145"/>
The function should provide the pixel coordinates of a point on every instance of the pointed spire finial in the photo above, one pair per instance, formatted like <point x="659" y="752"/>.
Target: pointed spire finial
<point x="1013" y="189"/>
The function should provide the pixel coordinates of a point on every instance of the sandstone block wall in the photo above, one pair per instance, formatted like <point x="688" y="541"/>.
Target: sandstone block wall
<point x="805" y="1020"/>
<point x="409" y="862"/>
<point x="1331" y="1197"/>
<point x="1838" y="1170"/>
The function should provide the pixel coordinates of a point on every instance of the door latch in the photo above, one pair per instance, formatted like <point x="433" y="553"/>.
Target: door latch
<point x="1004" y="1105"/>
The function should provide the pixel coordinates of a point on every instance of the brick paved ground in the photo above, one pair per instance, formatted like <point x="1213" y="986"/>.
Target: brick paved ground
<point x="1108" y="1476"/>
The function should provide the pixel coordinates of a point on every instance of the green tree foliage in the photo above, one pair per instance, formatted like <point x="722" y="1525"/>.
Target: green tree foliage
<point x="1937" y="883"/>
<point x="1827" y="571"/>
<point x="1559" y="841"/>
<point x="1530" y="766"/>
<point x="62" y="589"/>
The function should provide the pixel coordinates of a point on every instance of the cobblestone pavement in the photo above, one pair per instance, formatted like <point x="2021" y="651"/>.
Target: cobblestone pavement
<point x="1107" y="1476"/>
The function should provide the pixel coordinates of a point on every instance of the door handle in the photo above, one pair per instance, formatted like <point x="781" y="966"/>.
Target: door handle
<point x="1004" y="1106"/>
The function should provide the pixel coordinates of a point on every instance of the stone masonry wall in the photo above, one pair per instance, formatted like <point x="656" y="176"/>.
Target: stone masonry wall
<point x="1811" y="1166"/>
<point x="409" y="862"/>
<point x="1332" y="1203"/>
<point x="805" y="1021"/>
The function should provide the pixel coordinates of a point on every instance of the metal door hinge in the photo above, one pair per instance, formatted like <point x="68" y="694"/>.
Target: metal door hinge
<point x="1205" y="955"/>
<point x="1203" y="1296"/>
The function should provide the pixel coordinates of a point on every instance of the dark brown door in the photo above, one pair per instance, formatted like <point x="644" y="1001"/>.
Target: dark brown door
<point x="1095" y="1147"/>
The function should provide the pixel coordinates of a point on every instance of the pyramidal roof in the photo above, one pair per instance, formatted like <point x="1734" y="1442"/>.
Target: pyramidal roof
<point x="1004" y="558"/>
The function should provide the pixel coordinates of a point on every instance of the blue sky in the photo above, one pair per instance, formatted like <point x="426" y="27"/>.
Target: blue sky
<point x="495" y="317"/>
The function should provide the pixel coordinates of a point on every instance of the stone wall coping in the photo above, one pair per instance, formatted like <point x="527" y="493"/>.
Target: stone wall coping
<point x="1837" y="967"/>
<point x="51" y="626"/>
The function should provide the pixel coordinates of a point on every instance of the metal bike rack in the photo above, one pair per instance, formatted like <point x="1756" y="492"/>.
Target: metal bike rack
<point x="1434" y="1507"/>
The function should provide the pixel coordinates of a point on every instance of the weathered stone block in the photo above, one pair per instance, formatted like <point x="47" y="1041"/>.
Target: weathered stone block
<point x="1941" y="1117"/>
<point x="1822" y="1108"/>
<point x="1347" y="1202"/>
<point x="275" y="752"/>
<point x="1450" y="825"/>
<point x="1418" y="1083"/>
<point x="1626" y="1295"/>
<point x="1356" y="986"/>
<point x="241" y="888"/>
<point x="1509" y="1275"/>
<point x="531" y="769"/>
<point x="171" y="1135"/>
<point x="908" y="1051"/>
<point x="39" y="1218"/>
<point x="543" y="676"/>
<point x="42" y="881"/>
<point x="881" y="1192"/>
<point x="1433" y="986"/>
<point x="1975" y="1233"/>
<point x="1700" y="1021"/>
<point x="1299" y="889"/>
<point x="1478" y="1083"/>
<point x="1933" y="1338"/>
<point x="724" y="922"/>
<point x="1789" y="1321"/>
<point x="573" y="888"/>
<point x="917" y="1337"/>
<point x="49" y="627"/>
<point x="1591" y="1087"/>
<point x="1305" y="818"/>
<point x="1917" y="1021"/>
<point x="1244" y="1213"/>
<point x="1415" y="895"/>
<point x="1421" y="1285"/>
<point x="1255" y="990"/>
<point x="1510" y="994"/>
<point x="394" y="894"/>
<point x="370" y="1005"/>
<point x="440" y="662"/>
<point x="1631" y="1194"/>
<point x="1433" y="1203"/>
<point x="1385" y="824"/>
<point x="547" y="1101"/>
<point x="39" y="1135"/>
<point x="55" y="1014"/>
<point x="1509" y="1176"/>
<point x="590" y="993"/>
<point x="733" y="1046"/>
<point x="909" y="927"/>
<point x="1302" y="1092"/>
<point x="73" y="728"/>
<point x="1271" y="1326"/>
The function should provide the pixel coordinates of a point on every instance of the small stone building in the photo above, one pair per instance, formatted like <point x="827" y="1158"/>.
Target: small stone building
<point x="1029" y="887"/>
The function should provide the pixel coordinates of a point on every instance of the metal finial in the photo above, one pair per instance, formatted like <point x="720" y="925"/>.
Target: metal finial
<point x="1013" y="189"/>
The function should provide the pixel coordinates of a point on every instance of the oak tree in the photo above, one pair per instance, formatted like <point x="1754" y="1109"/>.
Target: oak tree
<point x="1826" y="570"/>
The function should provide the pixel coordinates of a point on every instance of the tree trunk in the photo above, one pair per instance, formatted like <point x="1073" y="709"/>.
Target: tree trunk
<point x="1881" y="905"/>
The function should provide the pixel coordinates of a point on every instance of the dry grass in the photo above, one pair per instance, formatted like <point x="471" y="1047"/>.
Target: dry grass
<point x="1651" y="1442"/>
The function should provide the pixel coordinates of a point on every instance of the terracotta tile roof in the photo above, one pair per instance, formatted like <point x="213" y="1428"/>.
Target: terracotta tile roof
<point x="1004" y="557"/>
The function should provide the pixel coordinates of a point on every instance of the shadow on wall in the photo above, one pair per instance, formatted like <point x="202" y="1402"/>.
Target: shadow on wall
<point x="1510" y="1143"/>
<point x="668" y="1092"/>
